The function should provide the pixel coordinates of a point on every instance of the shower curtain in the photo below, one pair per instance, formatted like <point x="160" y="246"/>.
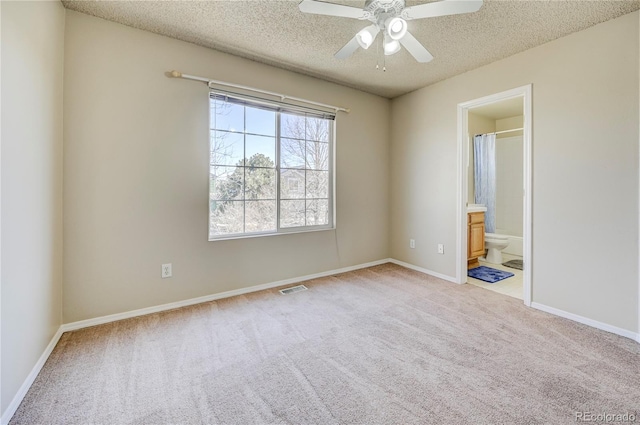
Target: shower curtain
<point x="484" y="162"/>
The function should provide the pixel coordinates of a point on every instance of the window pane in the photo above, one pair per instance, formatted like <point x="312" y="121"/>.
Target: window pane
<point x="292" y="184"/>
<point x="260" y="216"/>
<point x="317" y="212"/>
<point x="260" y="121"/>
<point x="317" y="156"/>
<point x="248" y="161"/>
<point x="260" y="151"/>
<point x="229" y="117"/>
<point x="292" y="126"/>
<point x="317" y="129"/>
<point x="260" y="183"/>
<point x="226" y="217"/>
<point x="317" y="184"/>
<point x="226" y="182"/>
<point x="226" y="148"/>
<point x="292" y="153"/>
<point x="291" y="213"/>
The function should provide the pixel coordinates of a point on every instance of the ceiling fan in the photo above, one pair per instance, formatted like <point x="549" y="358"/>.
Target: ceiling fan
<point x="389" y="17"/>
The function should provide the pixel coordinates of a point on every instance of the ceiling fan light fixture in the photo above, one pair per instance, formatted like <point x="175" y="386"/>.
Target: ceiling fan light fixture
<point x="365" y="37"/>
<point x="396" y="28"/>
<point x="391" y="46"/>
<point x="390" y="17"/>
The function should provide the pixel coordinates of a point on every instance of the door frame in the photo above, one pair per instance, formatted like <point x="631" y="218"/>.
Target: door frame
<point x="462" y="178"/>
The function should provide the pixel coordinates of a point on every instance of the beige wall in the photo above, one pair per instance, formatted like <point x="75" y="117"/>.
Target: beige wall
<point x="136" y="175"/>
<point x="509" y="184"/>
<point x="32" y="66"/>
<point x="509" y="177"/>
<point x="585" y="169"/>
<point x="509" y="124"/>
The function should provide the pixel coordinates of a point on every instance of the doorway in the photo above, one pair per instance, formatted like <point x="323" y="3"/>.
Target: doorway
<point x="496" y="107"/>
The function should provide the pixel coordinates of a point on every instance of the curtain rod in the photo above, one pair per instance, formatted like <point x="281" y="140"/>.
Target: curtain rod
<point x="500" y="132"/>
<point x="177" y="74"/>
<point x="503" y="131"/>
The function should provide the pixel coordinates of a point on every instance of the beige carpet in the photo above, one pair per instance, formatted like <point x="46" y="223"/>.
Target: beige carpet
<point x="384" y="345"/>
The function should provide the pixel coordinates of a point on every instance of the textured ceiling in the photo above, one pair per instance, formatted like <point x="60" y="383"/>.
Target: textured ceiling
<point x="275" y="32"/>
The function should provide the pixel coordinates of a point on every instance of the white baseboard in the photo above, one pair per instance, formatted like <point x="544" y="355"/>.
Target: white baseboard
<point x="425" y="271"/>
<point x="170" y="306"/>
<point x="17" y="399"/>
<point x="15" y="403"/>
<point x="586" y="321"/>
<point x="556" y="312"/>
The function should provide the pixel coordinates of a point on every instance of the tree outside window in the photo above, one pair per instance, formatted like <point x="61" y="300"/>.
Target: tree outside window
<point x="252" y="149"/>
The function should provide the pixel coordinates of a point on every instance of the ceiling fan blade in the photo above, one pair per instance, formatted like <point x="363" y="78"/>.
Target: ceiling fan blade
<point x="441" y="8"/>
<point x="323" y="8"/>
<point x="416" y="49"/>
<point x="348" y="49"/>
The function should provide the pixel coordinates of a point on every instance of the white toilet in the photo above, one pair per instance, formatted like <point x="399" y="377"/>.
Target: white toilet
<point x="495" y="243"/>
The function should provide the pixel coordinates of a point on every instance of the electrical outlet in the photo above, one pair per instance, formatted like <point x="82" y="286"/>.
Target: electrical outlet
<point x="440" y="248"/>
<point x="412" y="243"/>
<point x="166" y="271"/>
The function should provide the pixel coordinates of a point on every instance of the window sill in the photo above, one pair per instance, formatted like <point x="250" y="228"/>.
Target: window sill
<point x="262" y="235"/>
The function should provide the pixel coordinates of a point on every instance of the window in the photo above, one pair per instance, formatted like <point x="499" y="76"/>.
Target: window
<point x="271" y="168"/>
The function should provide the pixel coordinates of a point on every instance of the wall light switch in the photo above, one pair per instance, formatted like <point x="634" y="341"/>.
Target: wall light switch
<point x="166" y="270"/>
<point x="440" y="248"/>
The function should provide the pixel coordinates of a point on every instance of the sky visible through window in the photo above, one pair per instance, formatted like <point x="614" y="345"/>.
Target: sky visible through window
<point x="231" y="117"/>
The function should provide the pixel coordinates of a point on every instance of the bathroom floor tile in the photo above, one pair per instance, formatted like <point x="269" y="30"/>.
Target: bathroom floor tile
<point x="511" y="286"/>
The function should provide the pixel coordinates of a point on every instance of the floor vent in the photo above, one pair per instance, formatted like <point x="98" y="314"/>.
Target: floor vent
<point x="293" y="290"/>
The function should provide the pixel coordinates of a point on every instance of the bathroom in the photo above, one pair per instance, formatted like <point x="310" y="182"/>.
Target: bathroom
<point x="505" y="235"/>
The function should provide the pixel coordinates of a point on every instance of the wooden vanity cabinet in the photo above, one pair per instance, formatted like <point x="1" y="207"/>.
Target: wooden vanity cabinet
<point x="475" y="238"/>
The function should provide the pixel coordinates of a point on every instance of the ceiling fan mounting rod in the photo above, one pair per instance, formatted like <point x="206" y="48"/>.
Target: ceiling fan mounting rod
<point x="378" y="11"/>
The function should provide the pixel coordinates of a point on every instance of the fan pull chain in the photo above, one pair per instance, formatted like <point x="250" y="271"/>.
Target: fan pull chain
<point x="377" y="56"/>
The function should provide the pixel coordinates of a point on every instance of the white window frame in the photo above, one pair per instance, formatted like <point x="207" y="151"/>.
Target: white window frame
<point x="281" y="107"/>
